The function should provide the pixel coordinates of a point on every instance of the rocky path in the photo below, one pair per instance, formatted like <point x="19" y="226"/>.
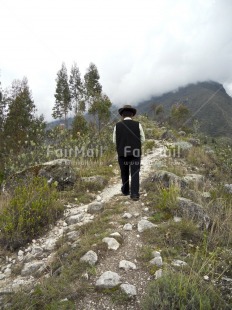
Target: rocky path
<point x="33" y="260"/>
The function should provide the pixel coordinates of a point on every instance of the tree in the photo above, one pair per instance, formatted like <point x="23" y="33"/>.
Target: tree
<point x="179" y="114"/>
<point x="159" y="112"/>
<point x="92" y="86"/>
<point x="62" y="95"/>
<point x="2" y="110"/>
<point x="100" y="109"/>
<point x="2" y="120"/>
<point x="21" y="126"/>
<point x="76" y="90"/>
<point x="79" y="126"/>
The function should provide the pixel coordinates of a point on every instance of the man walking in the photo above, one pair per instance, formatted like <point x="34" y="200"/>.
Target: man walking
<point x="128" y="136"/>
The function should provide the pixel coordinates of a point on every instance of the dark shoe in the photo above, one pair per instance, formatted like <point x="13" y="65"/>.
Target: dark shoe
<point x="135" y="198"/>
<point x="126" y="194"/>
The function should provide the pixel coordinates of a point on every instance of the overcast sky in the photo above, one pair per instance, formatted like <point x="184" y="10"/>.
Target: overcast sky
<point x="140" y="47"/>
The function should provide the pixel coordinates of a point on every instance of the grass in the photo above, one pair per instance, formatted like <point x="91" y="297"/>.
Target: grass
<point x="66" y="271"/>
<point x="197" y="156"/>
<point x="206" y="253"/>
<point x="174" y="167"/>
<point x="161" y="201"/>
<point x="181" y="291"/>
<point x="29" y="211"/>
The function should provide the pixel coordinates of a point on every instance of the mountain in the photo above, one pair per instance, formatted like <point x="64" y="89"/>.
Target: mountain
<point x="208" y="102"/>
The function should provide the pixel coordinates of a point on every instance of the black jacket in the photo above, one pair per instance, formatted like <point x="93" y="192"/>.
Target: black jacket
<point x="128" y="141"/>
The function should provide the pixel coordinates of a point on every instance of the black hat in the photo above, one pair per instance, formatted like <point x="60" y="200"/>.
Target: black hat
<point x="127" y="107"/>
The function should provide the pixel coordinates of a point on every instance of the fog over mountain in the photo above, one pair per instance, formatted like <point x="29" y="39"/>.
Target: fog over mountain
<point x="141" y="48"/>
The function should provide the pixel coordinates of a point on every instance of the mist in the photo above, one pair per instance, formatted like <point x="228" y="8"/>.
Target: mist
<point x="141" y="48"/>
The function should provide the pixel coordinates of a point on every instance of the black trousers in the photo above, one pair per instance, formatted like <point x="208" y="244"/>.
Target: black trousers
<point x="130" y="166"/>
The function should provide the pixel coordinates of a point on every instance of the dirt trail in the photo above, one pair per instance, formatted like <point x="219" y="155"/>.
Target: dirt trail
<point x="129" y="250"/>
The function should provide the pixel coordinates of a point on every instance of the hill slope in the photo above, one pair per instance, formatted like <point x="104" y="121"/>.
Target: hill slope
<point x="208" y="102"/>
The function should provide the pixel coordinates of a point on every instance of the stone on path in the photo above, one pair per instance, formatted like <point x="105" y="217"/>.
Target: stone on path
<point x="127" y="215"/>
<point x="108" y="279"/>
<point x="127" y="265"/>
<point x="90" y="257"/>
<point x="157" y="261"/>
<point x="32" y="268"/>
<point x="112" y="243"/>
<point x="178" y="263"/>
<point x="127" y="227"/>
<point x="128" y="289"/>
<point x="158" y="273"/>
<point x="74" y="219"/>
<point x="95" y="207"/>
<point x="144" y="225"/>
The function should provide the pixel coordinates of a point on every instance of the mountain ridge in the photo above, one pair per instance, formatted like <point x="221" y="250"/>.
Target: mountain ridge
<point x="207" y="101"/>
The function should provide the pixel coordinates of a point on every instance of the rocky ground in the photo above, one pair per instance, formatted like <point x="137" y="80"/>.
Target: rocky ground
<point x="120" y="266"/>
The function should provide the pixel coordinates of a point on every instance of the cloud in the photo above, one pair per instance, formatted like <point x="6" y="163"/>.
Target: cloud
<point x="141" y="48"/>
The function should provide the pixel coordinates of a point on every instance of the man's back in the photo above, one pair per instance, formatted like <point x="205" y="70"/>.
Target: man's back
<point x="128" y="139"/>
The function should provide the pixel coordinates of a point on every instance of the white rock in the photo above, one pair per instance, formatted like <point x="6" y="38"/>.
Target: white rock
<point x="127" y="227"/>
<point x="7" y="272"/>
<point x="144" y="225"/>
<point x="206" y="195"/>
<point x="37" y="250"/>
<point x="20" y="253"/>
<point x="73" y="235"/>
<point x="226" y="279"/>
<point x="95" y="207"/>
<point x="127" y="215"/>
<point x="128" y="289"/>
<point x="178" y="263"/>
<point x="158" y="273"/>
<point x="20" y="258"/>
<point x="115" y="234"/>
<point x="31" y="268"/>
<point x="155" y="254"/>
<point x="206" y="278"/>
<point x="177" y="219"/>
<point x="99" y="198"/>
<point x="49" y="244"/>
<point x="112" y="243"/>
<point x="127" y="265"/>
<point x="2" y="276"/>
<point x="90" y="257"/>
<point x="17" y="283"/>
<point x="157" y="261"/>
<point x="228" y="188"/>
<point x="108" y="279"/>
<point x="28" y="258"/>
<point x="136" y="214"/>
<point x="74" y="219"/>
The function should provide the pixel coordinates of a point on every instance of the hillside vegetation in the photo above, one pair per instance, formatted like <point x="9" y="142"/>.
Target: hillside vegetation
<point x="182" y="260"/>
<point x="208" y="103"/>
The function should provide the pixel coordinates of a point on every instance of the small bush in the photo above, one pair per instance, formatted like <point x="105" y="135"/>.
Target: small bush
<point x="148" y="145"/>
<point x="31" y="209"/>
<point x="179" y="291"/>
<point x="199" y="157"/>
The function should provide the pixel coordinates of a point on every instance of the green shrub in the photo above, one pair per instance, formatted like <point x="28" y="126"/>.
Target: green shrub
<point x="149" y="145"/>
<point x="31" y="209"/>
<point x="180" y="291"/>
